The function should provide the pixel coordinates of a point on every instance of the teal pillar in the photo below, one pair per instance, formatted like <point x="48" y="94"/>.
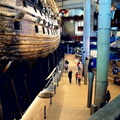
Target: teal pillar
<point x="86" y="37"/>
<point x="104" y="21"/>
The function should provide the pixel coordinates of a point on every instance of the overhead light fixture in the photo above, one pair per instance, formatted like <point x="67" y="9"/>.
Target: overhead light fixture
<point x="71" y="21"/>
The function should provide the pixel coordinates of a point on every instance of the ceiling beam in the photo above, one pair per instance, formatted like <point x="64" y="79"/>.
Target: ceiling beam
<point x="70" y="4"/>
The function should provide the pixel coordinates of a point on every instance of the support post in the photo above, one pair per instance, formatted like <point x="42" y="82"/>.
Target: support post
<point x="86" y="71"/>
<point x="90" y="88"/>
<point x="1" y="110"/>
<point x="27" y="92"/>
<point x="44" y="112"/>
<point x="104" y="21"/>
<point x="16" y="97"/>
<point x="86" y="35"/>
<point x="50" y="100"/>
<point x="54" y="88"/>
<point x="68" y="48"/>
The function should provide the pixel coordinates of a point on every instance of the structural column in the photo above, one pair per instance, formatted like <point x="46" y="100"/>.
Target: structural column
<point x="90" y="88"/>
<point x="68" y="48"/>
<point x="104" y="21"/>
<point x="86" y="36"/>
<point x="1" y="110"/>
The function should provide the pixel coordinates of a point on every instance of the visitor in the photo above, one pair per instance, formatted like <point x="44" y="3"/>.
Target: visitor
<point x="70" y="75"/>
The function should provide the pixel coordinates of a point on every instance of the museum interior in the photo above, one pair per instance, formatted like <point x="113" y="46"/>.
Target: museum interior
<point x="59" y="59"/>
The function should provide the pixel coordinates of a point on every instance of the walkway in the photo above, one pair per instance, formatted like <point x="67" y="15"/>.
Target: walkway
<point x="70" y="101"/>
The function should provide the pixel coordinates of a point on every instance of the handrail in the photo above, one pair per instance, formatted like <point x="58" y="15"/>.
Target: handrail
<point x="50" y="75"/>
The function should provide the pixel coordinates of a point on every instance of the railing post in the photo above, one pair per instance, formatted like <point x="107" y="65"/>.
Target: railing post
<point x="50" y="100"/>
<point x="44" y="112"/>
<point x="55" y="89"/>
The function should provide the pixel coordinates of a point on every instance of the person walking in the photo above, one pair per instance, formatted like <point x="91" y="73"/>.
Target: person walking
<point x="83" y="74"/>
<point x="66" y="67"/>
<point x="76" y="76"/>
<point x="90" y="66"/>
<point x="115" y="70"/>
<point x="70" y="75"/>
<point x="79" y="78"/>
<point x="108" y="96"/>
<point x="79" y="66"/>
<point x="66" y="61"/>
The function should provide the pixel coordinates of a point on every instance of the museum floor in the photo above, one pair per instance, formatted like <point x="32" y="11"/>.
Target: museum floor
<point x="70" y="100"/>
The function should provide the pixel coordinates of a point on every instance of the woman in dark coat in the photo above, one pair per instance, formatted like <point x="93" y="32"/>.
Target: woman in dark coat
<point x="70" y="76"/>
<point x="108" y="97"/>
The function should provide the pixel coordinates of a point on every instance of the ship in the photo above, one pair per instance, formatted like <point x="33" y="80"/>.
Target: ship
<point x="28" y="29"/>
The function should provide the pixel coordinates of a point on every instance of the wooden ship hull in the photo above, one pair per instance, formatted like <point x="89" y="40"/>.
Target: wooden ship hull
<point x="28" y="29"/>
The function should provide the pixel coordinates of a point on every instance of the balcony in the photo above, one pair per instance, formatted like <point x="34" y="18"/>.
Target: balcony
<point x="69" y="4"/>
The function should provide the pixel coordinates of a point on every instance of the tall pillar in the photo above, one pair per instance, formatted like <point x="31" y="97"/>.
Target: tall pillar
<point x="68" y="48"/>
<point x="86" y="36"/>
<point x="1" y="110"/>
<point x="104" y="21"/>
<point x="90" y="88"/>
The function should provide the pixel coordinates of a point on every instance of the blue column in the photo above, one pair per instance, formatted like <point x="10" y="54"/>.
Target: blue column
<point x="67" y="47"/>
<point x="86" y="36"/>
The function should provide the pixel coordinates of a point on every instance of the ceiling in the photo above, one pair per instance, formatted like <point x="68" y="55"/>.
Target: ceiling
<point x="69" y="4"/>
<point x="75" y="7"/>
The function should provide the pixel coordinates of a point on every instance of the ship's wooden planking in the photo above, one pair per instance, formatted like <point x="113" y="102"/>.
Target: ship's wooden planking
<point x="28" y="29"/>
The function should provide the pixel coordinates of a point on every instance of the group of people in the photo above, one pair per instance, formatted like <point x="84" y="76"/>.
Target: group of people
<point x="115" y="69"/>
<point x="115" y="72"/>
<point x="78" y="75"/>
<point x="117" y="80"/>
